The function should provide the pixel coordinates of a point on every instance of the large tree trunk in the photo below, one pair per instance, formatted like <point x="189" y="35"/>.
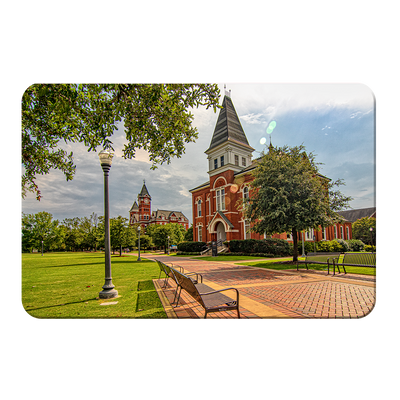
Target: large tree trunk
<point x="295" y="251"/>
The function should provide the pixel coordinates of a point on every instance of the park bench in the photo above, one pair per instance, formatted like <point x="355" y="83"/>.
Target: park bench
<point x="211" y="300"/>
<point x="170" y="273"/>
<point x="320" y="258"/>
<point x="357" y="260"/>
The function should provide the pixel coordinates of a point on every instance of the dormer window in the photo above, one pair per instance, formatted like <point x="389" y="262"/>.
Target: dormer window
<point x="243" y="161"/>
<point x="237" y="160"/>
<point x="222" y="161"/>
<point x="216" y="163"/>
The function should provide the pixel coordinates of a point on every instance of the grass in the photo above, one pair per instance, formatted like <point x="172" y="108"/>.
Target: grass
<point x="279" y="265"/>
<point x="67" y="285"/>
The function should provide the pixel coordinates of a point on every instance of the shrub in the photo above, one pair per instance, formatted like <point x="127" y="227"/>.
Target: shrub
<point x="344" y="244"/>
<point x="356" y="245"/>
<point x="191" y="247"/>
<point x="369" y="248"/>
<point x="263" y="246"/>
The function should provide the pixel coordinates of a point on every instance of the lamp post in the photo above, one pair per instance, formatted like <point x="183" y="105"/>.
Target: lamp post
<point x="108" y="291"/>
<point x="42" y="247"/>
<point x="302" y="236"/>
<point x="372" y="243"/>
<point x="168" y="245"/>
<point x="139" y="229"/>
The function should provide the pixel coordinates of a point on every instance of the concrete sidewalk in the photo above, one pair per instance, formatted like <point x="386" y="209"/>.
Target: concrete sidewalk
<point x="266" y="293"/>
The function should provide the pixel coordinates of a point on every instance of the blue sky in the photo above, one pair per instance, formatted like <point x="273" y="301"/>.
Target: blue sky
<point x="335" y="121"/>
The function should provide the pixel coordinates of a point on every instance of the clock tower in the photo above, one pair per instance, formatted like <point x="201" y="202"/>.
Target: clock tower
<point x="144" y="204"/>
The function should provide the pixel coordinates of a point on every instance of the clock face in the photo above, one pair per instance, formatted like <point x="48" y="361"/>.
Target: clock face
<point x="146" y="201"/>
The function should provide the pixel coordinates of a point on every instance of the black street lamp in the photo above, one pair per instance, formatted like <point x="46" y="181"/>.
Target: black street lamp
<point x="372" y="242"/>
<point x="168" y="245"/>
<point x="108" y="291"/>
<point x="42" y="248"/>
<point x="139" y="228"/>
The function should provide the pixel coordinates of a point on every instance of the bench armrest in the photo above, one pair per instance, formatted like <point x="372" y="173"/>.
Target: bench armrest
<point x="197" y="276"/>
<point x="222" y="290"/>
<point x="178" y="267"/>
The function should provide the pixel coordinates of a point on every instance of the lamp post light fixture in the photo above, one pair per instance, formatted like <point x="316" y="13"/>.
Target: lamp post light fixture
<point x="139" y="229"/>
<point x="42" y="248"/>
<point x="168" y="245"/>
<point x="108" y="291"/>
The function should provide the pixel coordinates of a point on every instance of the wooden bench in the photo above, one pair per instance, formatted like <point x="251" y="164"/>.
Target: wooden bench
<point x="211" y="300"/>
<point x="357" y="260"/>
<point x="320" y="258"/>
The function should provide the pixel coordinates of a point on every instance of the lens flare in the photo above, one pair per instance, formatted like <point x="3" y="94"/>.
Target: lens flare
<point x="263" y="140"/>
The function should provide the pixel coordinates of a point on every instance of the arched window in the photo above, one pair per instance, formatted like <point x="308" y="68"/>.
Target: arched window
<point x="245" y="193"/>
<point x="199" y="208"/>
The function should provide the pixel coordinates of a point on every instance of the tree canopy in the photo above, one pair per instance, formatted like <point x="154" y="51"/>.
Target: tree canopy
<point x="156" y="118"/>
<point x="289" y="194"/>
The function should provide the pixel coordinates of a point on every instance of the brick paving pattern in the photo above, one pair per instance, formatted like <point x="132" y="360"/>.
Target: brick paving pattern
<point x="319" y="300"/>
<point x="294" y="294"/>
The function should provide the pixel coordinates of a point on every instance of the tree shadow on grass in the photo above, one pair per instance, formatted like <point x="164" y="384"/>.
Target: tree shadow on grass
<point x="59" y="305"/>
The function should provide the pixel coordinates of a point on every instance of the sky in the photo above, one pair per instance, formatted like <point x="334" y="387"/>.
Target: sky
<point x="334" y="121"/>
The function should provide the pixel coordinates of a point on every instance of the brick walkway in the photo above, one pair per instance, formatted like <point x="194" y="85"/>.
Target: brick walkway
<point x="273" y="294"/>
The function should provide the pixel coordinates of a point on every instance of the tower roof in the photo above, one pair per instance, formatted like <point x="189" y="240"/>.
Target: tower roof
<point x="134" y="207"/>
<point x="228" y="127"/>
<point x="144" y="191"/>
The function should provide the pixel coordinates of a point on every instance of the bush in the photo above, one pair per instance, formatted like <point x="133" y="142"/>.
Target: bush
<point x="263" y="246"/>
<point x="191" y="247"/>
<point x="368" y="248"/>
<point x="344" y="244"/>
<point x="356" y="245"/>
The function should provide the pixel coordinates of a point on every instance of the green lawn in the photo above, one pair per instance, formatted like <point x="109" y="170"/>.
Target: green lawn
<point x="67" y="285"/>
<point x="279" y="265"/>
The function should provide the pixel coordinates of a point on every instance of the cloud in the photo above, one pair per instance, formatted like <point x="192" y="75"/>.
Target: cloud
<point x="252" y="118"/>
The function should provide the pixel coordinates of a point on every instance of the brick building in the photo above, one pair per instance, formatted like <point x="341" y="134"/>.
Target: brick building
<point x="215" y="203"/>
<point x="140" y="213"/>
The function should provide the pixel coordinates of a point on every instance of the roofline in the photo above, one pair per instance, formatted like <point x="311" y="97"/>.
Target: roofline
<point x="203" y="186"/>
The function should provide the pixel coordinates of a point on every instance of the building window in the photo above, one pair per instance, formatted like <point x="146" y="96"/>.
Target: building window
<point x="245" y="193"/>
<point x="220" y="197"/>
<point x="323" y="233"/>
<point x="199" y="208"/>
<point x="335" y="232"/>
<point x="247" y="234"/>
<point x="243" y="161"/>
<point x="348" y="233"/>
<point x="341" y="232"/>
<point x="216" y="163"/>
<point x="310" y="234"/>
<point x="288" y="236"/>
<point x="236" y="160"/>
<point x="222" y="161"/>
<point x="200" y="233"/>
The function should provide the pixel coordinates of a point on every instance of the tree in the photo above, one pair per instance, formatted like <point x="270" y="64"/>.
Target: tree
<point x="38" y="228"/>
<point x="189" y="234"/>
<point x="289" y="194"/>
<point x="160" y="233"/>
<point x="121" y="234"/>
<point x="156" y="118"/>
<point x="361" y="230"/>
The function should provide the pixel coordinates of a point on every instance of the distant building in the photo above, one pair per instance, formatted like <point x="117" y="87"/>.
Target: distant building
<point x="140" y="213"/>
<point x="354" y="215"/>
<point x="216" y="214"/>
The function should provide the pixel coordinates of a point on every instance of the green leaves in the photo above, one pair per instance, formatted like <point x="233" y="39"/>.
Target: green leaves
<point x="156" y="117"/>
<point x="290" y="193"/>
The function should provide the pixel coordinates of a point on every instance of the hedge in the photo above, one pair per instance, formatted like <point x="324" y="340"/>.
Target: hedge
<point x="191" y="247"/>
<point x="329" y="246"/>
<point x="264" y="246"/>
